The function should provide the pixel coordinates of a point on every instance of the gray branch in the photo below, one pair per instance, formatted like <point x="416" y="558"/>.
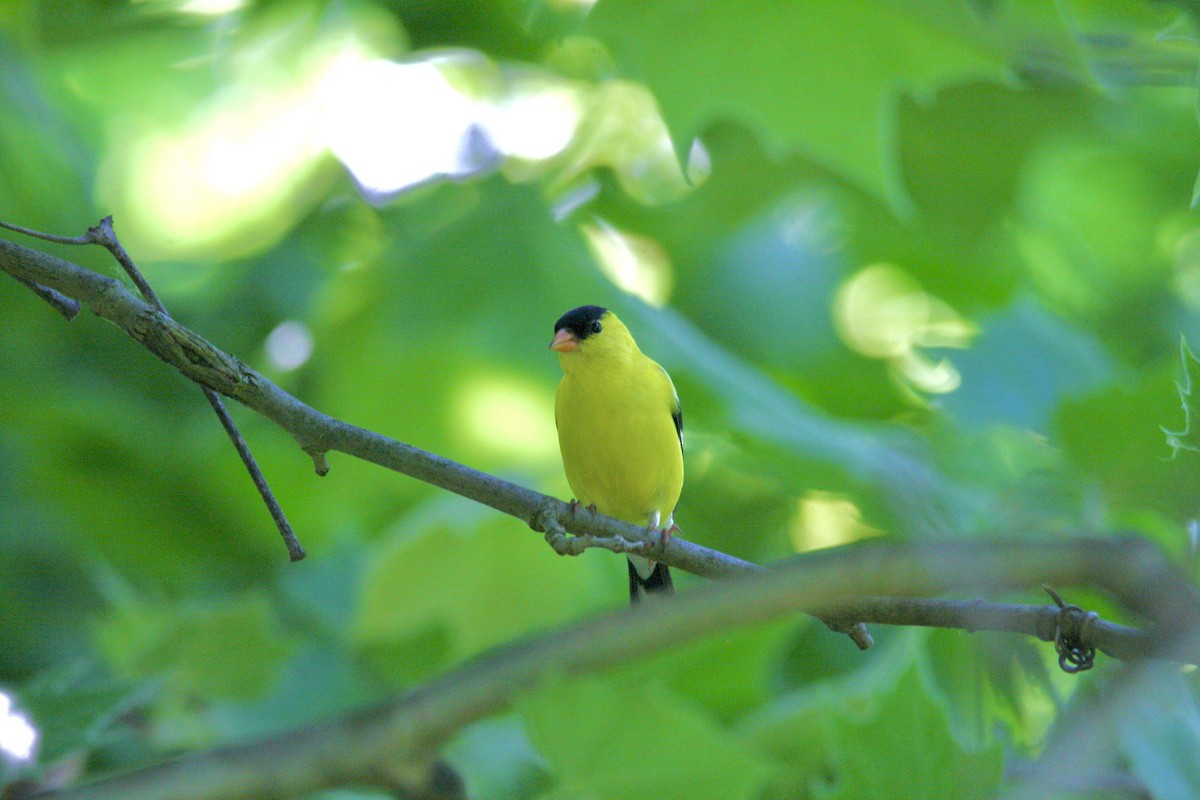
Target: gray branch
<point x="317" y="433"/>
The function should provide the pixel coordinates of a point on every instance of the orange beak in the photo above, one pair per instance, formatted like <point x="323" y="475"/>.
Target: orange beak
<point x="564" y="341"/>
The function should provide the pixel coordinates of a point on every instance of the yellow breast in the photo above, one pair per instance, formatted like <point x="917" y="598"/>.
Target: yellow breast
<point x="619" y="443"/>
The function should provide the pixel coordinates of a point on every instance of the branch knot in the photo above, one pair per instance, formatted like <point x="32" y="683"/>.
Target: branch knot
<point x="1073" y="636"/>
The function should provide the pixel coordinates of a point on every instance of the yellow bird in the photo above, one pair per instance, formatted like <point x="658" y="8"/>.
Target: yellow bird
<point x="620" y="430"/>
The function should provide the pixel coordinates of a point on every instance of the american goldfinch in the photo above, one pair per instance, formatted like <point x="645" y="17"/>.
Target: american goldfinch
<point x="620" y="431"/>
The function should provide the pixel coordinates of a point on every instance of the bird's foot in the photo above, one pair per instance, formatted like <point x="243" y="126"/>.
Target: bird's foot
<point x="664" y="535"/>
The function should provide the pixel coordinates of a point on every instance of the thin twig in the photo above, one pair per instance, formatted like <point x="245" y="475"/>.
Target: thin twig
<point x="103" y="234"/>
<point x="1118" y="641"/>
<point x="294" y="548"/>
<point x="67" y="306"/>
<point x="48" y="237"/>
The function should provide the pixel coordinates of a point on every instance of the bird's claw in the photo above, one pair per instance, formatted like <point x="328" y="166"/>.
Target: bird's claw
<point x="664" y="535"/>
<point x="573" y="506"/>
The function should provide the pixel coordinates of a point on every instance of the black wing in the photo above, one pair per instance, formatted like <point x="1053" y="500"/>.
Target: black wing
<point x="676" y="409"/>
<point x="677" y="416"/>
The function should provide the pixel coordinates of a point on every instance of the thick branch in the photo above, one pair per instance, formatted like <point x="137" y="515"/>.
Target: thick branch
<point x="400" y="736"/>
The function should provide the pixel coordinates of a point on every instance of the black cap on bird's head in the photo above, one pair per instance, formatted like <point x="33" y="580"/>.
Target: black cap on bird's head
<point x="575" y="326"/>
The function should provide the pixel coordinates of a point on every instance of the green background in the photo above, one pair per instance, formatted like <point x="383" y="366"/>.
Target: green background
<point x="927" y="277"/>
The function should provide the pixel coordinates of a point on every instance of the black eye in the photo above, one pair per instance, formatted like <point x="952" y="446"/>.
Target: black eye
<point x="596" y="326"/>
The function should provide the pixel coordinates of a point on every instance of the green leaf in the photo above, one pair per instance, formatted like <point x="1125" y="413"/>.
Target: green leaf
<point x="1158" y="730"/>
<point x="566" y="793"/>
<point x="745" y="656"/>
<point x="1022" y="366"/>
<point x="292" y="703"/>
<point x="609" y="738"/>
<point x="1026" y="687"/>
<point x="958" y="677"/>
<point x="496" y="760"/>
<point x="1185" y="439"/>
<point x="876" y="732"/>
<point x="75" y="708"/>
<point x="227" y="651"/>
<point x="815" y="656"/>
<point x="791" y="729"/>
<point x="430" y="595"/>
<point x="816" y="78"/>
<point x="1111" y="436"/>
<point x="791" y="733"/>
<point x="903" y="747"/>
<point x="989" y="681"/>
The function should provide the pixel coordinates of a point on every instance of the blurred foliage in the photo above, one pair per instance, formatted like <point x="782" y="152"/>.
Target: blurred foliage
<point x="917" y="270"/>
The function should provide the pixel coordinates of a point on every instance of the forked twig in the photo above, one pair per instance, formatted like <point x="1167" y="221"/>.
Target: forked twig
<point x="103" y="234"/>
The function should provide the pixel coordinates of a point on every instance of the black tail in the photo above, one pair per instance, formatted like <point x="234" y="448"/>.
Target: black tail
<point x="658" y="582"/>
